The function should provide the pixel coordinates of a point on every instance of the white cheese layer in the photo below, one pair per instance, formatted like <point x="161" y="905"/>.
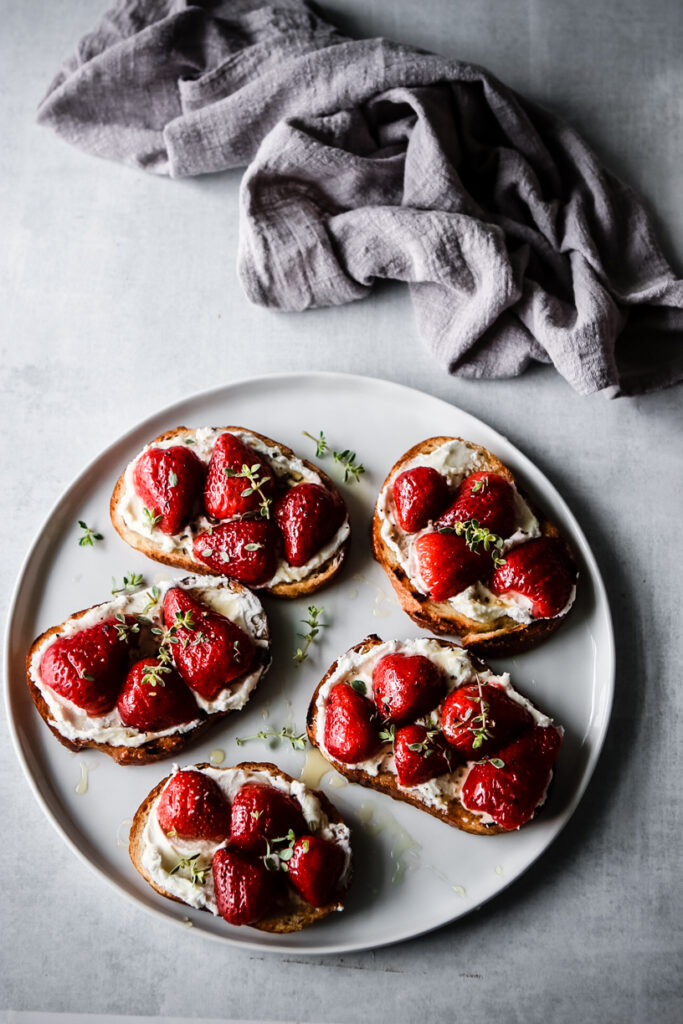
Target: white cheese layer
<point x="291" y="470"/>
<point x="457" y="669"/>
<point x="161" y="853"/>
<point x="234" y="602"/>
<point x="456" y="460"/>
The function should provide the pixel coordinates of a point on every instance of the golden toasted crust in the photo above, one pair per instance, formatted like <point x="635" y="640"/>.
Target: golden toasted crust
<point x="297" y="588"/>
<point x="293" y="916"/>
<point x="154" y="750"/>
<point x="385" y="782"/>
<point x="501" y="638"/>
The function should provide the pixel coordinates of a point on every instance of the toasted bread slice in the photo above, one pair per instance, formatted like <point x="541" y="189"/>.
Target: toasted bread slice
<point x="78" y="731"/>
<point x="499" y="635"/>
<point x="152" y="542"/>
<point x="292" y="913"/>
<point x="441" y="799"/>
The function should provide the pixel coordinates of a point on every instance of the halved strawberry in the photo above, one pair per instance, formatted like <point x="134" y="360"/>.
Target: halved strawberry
<point x="314" y="869"/>
<point x="88" y="668"/>
<point x="208" y="649"/>
<point x="420" y="495"/>
<point x="246" y="549"/>
<point x="192" y="806"/>
<point x="350" y="733"/>
<point x="406" y="686"/>
<point x="540" y="570"/>
<point x="420" y="755"/>
<point x="225" y="493"/>
<point x="154" y="697"/>
<point x="477" y="722"/>
<point x="245" y="889"/>
<point x="261" y="813"/>
<point x="486" y="497"/>
<point x="169" y="481"/>
<point x="447" y="565"/>
<point x="510" y="785"/>
<point x="308" y="516"/>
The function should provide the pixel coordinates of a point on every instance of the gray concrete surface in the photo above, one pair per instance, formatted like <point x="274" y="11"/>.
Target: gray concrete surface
<point x="593" y="931"/>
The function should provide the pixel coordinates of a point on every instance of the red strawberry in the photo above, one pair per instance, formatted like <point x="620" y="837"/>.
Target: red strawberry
<point x="420" y="494"/>
<point x="192" y="806"/>
<point x="406" y="686"/>
<point x="261" y="813"/>
<point x="224" y="495"/>
<point x="211" y="650"/>
<point x="419" y="756"/>
<point x="486" y="497"/>
<point x="88" y="667"/>
<point x="246" y="549"/>
<point x="511" y="792"/>
<point x="169" y="481"/>
<point x="308" y="516"/>
<point x="245" y="889"/>
<point x="477" y="723"/>
<point x="446" y="564"/>
<point x="350" y="733"/>
<point x="540" y="570"/>
<point x="315" y="868"/>
<point x="154" y="697"/>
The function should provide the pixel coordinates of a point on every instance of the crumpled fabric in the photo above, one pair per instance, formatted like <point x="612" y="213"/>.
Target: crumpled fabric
<point x="367" y="159"/>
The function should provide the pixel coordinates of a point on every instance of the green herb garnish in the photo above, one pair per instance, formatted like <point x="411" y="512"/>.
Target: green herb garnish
<point x="298" y="740"/>
<point x="315" y="625"/>
<point x="89" y="536"/>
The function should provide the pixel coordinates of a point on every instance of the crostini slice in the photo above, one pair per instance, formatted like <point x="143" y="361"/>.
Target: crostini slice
<point x="248" y="843"/>
<point x="465" y="551"/>
<point x="427" y="723"/>
<point x="231" y="501"/>
<point x="141" y="674"/>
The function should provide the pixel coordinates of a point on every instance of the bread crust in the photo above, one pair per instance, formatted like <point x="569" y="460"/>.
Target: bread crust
<point x="155" y="749"/>
<point x="323" y="575"/>
<point x="507" y="637"/>
<point x="385" y="782"/>
<point x="291" y="918"/>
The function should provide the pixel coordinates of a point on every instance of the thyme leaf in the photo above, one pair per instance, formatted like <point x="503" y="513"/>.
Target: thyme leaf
<point x="89" y="536"/>
<point x="315" y="625"/>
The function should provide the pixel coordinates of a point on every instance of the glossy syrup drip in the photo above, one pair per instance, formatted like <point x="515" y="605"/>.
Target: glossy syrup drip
<point x="81" y="786"/>
<point x="315" y="766"/>
<point x="217" y="756"/>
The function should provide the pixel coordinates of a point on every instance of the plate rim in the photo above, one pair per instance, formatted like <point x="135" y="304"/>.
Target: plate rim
<point x="527" y="465"/>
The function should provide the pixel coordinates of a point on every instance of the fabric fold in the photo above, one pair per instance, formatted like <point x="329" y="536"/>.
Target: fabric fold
<point x="367" y="159"/>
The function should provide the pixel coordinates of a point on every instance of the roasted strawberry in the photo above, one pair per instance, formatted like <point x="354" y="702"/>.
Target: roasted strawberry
<point x="261" y="813"/>
<point x="539" y="570"/>
<point x="420" y="755"/>
<point x="88" y="668"/>
<point x="246" y="549"/>
<point x="234" y="470"/>
<point x="308" y="515"/>
<point x="406" y="686"/>
<point x="510" y="785"/>
<point x="420" y="495"/>
<point x="192" y="806"/>
<point x="245" y="889"/>
<point x="208" y="649"/>
<point x="154" y="697"/>
<point x="447" y="565"/>
<point x="351" y="732"/>
<point x="479" y="719"/>
<point x="486" y="497"/>
<point x="315" y="868"/>
<point x="169" y="481"/>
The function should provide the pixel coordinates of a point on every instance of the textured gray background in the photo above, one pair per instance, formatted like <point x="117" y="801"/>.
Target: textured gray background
<point x="118" y="295"/>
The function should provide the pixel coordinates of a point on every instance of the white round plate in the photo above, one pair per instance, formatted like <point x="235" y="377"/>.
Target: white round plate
<point x="396" y="893"/>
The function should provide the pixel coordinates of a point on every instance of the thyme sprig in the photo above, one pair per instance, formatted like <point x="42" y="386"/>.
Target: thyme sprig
<point x="353" y="470"/>
<point x="197" y="874"/>
<point x="475" y="534"/>
<point x="256" y="484"/>
<point x="89" y="536"/>
<point x="167" y="637"/>
<point x="131" y="581"/>
<point x="315" y="625"/>
<point x="154" y="594"/>
<point x="481" y="485"/>
<point x="479" y="725"/>
<point x="388" y="734"/>
<point x="298" y="740"/>
<point x="124" y="628"/>
<point x="150" y="518"/>
<point x="278" y="860"/>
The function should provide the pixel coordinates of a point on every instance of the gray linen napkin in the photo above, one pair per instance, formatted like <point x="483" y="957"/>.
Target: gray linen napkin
<point x="368" y="159"/>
